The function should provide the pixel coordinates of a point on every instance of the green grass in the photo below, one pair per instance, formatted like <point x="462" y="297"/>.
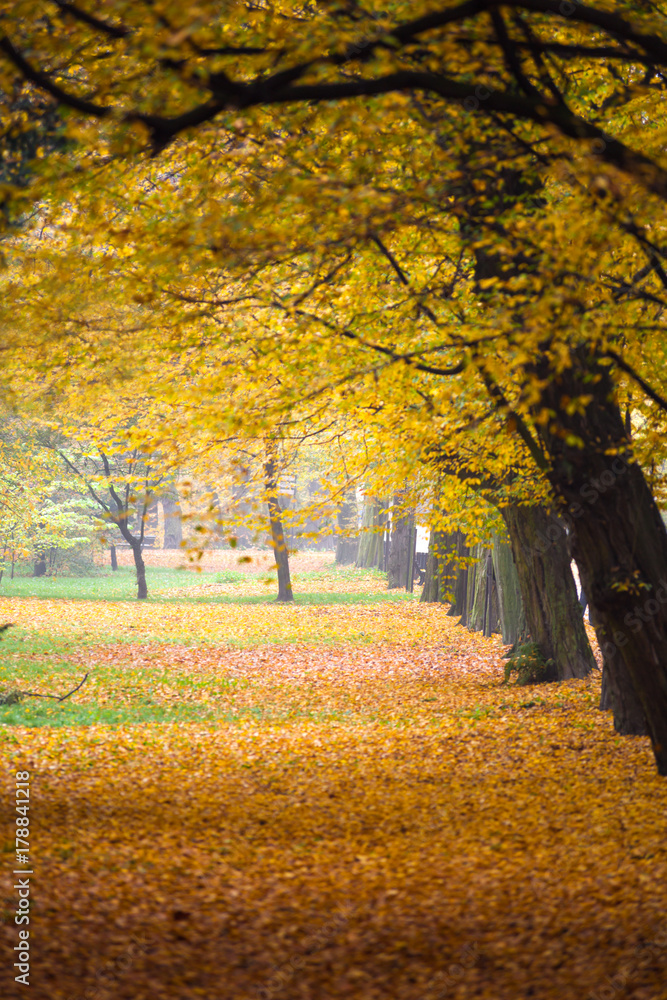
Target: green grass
<point x="121" y="586"/>
<point x="54" y="664"/>
<point x="324" y="597"/>
<point x="33" y="712"/>
<point x="118" y="586"/>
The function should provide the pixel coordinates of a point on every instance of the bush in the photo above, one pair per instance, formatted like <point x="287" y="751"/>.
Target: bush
<point x="528" y="664"/>
<point x="230" y="576"/>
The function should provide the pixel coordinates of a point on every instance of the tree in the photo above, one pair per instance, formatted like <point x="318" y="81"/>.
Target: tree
<point x="534" y="304"/>
<point x="130" y="482"/>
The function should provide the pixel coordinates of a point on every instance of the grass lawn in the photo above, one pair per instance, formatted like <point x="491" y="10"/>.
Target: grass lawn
<point x="335" y="799"/>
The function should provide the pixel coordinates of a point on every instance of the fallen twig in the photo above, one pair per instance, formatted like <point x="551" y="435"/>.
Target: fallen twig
<point x="34" y="694"/>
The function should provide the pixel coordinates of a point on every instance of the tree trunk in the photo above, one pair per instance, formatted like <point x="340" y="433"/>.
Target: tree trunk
<point x="553" y="613"/>
<point x="398" y="567"/>
<point x="114" y="557"/>
<point x="173" y="526"/>
<point x="39" y="567"/>
<point x="347" y="547"/>
<point x="478" y="619"/>
<point x="619" y="540"/>
<point x="436" y="582"/>
<point x="510" y="606"/>
<point x="140" y="566"/>
<point x="370" y="554"/>
<point x="618" y="694"/>
<point x="280" y="552"/>
<point x="459" y="604"/>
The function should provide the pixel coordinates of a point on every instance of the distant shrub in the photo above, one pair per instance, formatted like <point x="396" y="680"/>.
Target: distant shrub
<point x="230" y="576"/>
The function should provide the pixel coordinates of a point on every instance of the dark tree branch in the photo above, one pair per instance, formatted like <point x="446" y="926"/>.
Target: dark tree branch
<point x="111" y="30"/>
<point x="629" y="370"/>
<point x="33" y="694"/>
<point x="44" y="82"/>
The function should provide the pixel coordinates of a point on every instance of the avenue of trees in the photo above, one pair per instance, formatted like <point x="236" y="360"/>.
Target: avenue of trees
<point x="432" y="233"/>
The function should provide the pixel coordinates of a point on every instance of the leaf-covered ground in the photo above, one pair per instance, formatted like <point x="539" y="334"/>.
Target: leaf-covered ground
<point x="314" y="802"/>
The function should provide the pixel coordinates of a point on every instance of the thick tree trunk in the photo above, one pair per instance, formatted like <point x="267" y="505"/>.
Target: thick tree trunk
<point x="114" y="557"/>
<point x="483" y="611"/>
<point x="370" y="554"/>
<point x="618" y="694"/>
<point x="400" y="546"/>
<point x="553" y="613"/>
<point x="510" y="605"/>
<point x="140" y="566"/>
<point x="459" y="604"/>
<point x="278" y="542"/>
<point x="281" y="556"/>
<point x="443" y="581"/>
<point x="619" y="539"/>
<point x="438" y="581"/>
<point x="39" y="567"/>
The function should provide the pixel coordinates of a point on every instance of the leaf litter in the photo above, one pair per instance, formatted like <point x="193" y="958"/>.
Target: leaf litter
<point x="380" y="817"/>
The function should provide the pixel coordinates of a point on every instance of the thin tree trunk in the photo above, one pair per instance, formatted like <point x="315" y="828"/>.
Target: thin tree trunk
<point x="553" y="613"/>
<point x="280" y="552"/>
<point x="140" y="566"/>
<point x="347" y="547"/>
<point x="114" y="557"/>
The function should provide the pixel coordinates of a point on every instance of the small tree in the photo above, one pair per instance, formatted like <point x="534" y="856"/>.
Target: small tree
<point x="130" y="482"/>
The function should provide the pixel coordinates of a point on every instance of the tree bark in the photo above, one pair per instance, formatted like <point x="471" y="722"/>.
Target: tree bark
<point x="114" y="557"/>
<point x="553" y="613"/>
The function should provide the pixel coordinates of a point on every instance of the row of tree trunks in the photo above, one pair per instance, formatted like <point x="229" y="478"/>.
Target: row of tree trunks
<point x="525" y="587"/>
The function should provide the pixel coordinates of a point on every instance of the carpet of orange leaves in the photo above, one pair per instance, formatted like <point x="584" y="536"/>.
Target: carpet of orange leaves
<point x="394" y="823"/>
